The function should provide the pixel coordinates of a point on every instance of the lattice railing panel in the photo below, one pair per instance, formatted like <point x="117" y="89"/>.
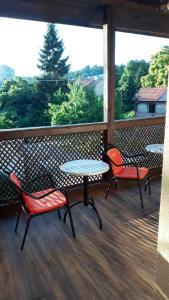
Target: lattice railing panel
<point x="135" y="139"/>
<point x="35" y="156"/>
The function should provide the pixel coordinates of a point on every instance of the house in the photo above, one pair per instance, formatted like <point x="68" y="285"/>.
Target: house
<point x="93" y="83"/>
<point x="120" y="262"/>
<point x="150" y="102"/>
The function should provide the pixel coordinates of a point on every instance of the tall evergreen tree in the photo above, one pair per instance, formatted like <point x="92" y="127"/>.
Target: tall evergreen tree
<point x="51" y="63"/>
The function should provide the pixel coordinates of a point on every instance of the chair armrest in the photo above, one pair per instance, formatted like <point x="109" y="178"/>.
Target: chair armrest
<point x="36" y="178"/>
<point x="37" y="197"/>
<point x="125" y="154"/>
<point x="124" y="164"/>
<point x="134" y="155"/>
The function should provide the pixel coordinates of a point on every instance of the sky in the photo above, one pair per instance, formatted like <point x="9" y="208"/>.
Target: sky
<point x="22" y="40"/>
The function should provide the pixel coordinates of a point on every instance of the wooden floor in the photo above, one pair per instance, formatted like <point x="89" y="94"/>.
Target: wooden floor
<point x="117" y="263"/>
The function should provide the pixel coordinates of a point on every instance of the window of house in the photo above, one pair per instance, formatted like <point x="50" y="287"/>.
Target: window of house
<point x="152" y="108"/>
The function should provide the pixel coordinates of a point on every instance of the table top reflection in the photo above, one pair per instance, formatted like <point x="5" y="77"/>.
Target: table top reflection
<point x="155" y="148"/>
<point x="85" y="167"/>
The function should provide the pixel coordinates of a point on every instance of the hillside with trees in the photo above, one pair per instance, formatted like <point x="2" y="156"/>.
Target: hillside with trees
<point x="58" y="96"/>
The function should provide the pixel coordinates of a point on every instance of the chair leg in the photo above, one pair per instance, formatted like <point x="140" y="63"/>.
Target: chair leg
<point x="18" y="218"/>
<point x="149" y="187"/>
<point x="109" y="186"/>
<point x="71" y="221"/>
<point x="96" y="211"/>
<point x="59" y="215"/>
<point x="26" y="231"/>
<point x="140" y="192"/>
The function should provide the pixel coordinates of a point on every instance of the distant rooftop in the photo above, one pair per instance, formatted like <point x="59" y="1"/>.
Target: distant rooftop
<point x="149" y="94"/>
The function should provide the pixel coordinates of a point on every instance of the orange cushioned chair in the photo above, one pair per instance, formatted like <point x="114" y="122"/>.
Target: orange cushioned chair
<point x="126" y="171"/>
<point x="38" y="203"/>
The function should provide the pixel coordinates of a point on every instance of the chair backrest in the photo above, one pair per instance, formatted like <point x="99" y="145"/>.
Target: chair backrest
<point x="115" y="159"/>
<point x="15" y="180"/>
<point x="18" y="186"/>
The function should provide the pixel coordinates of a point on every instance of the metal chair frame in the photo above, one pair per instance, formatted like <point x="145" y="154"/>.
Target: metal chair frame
<point x="131" y="163"/>
<point x="28" y="215"/>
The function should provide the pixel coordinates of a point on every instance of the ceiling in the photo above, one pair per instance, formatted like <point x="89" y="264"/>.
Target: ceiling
<point x="148" y="2"/>
<point x="88" y="13"/>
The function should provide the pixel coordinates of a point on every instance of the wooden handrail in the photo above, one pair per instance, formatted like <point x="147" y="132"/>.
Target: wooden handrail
<point x="51" y="130"/>
<point x="138" y="122"/>
<point x="68" y="129"/>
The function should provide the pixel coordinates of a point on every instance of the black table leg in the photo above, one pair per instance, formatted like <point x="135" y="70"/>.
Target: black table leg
<point x="92" y="204"/>
<point x="85" y="190"/>
<point x="70" y="206"/>
<point x="86" y="200"/>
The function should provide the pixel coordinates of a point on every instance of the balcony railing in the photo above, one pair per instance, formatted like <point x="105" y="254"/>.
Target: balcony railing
<point x="36" y="151"/>
<point x="135" y="134"/>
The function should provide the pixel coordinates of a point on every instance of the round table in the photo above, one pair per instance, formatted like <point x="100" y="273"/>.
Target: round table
<point x="85" y="168"/>
<point x="155" y="148"/>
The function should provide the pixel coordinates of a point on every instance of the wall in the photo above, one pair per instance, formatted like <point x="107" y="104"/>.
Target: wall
<point x="142" y="110"/>
<point x="162" y="273"/>
<point x="161" y="108"/>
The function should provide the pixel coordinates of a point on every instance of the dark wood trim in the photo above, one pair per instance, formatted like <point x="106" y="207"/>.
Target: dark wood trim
<point x="138" y="122"/>
<point x="109" y="69"/>
<point x="141" y="19"/>
<point x="68" y="129"/>
<point x="130" y="16"/>
<point x="46" y="131"/>
<point x="64" y="12"/>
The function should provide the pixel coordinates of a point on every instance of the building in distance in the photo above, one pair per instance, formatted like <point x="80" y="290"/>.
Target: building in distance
<point x="6" y="73"/>
<point x="150" y="102"/>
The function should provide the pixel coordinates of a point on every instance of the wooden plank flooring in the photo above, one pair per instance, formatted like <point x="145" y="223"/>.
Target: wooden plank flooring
<point x="117" y="263"/>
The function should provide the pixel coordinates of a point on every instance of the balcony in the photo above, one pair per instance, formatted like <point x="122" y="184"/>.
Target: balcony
<point x="32" y="152"/>
<point x="116" y="263"/>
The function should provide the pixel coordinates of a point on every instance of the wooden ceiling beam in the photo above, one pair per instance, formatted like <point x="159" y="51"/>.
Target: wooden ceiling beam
<point x="68" y="14"/>
<point x="150" y="22"/>
<point x="130" y="16"/>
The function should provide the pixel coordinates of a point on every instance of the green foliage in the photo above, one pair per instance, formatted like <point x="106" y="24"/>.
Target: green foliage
<point x="158" y="70"/>
<point x="21" y="105"/>
<point x="118" y="104"/>
<point x="128" y="115"/>
<point x="52" y="64"/>
<point x="119" y="69"/>
<point x="130" y="81"/>
<point x="81" y="106"/>
<point x="86" y="72"/>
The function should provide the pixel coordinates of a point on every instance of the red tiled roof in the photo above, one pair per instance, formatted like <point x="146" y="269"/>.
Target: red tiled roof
<point x="150" y="94"/>
<point x="86" y="82"/>
<point x="91" y="82"/>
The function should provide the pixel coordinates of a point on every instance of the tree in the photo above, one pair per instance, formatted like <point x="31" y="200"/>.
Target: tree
<point x="21" y="105"/>
<point x="51" y="63"/>
<point x="82" y="106"/>
<point x="119" y="69"/>
<point x="130" y="81"/>
<point x="158" y="70"/>
<point x="86" y="72"/>
<point x="118" y="104"/>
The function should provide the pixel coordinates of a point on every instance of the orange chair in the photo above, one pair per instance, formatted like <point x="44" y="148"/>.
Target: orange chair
<point x="38" y="203"/>
<point x="126" y="171"/>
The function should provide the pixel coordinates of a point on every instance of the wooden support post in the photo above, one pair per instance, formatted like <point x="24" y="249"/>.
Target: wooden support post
<point x="162" y="271"/>
<point x="109" y="70"/>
